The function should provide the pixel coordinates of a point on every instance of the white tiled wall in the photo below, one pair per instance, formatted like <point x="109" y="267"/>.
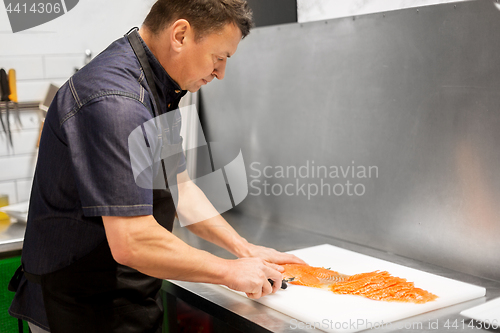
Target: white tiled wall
<point x="17" y="162"/>
<point x="34" y="73"/>
<point x="49" y="54"/>
<point x="27" y="67"/>
<point x="9" y="188"/>
<point x="62" y="66"/>
<point x="23" y="189"/>
<point x="4" y="147"/>
<point x="35" y="90"/>
<point x="315" y="10"/>
<point x="91" y="24"/>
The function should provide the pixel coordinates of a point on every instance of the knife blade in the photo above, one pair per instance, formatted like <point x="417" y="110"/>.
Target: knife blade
<point x="3" y="124"/>
<point x="8" y="124"/>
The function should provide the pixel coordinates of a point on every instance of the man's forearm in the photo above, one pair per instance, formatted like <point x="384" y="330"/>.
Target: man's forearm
<point x="201" y="218"/>
<point x="143" y="244"/>
<point x="219" y="232"/>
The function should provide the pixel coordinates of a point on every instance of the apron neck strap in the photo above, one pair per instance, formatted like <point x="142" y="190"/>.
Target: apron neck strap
<point x="140" y="53"/>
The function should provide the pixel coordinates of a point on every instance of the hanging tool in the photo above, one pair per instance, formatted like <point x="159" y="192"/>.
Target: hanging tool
<point x="4" y="85"/>
<point x="1" y="118"/>
<point x="13" y="94"/>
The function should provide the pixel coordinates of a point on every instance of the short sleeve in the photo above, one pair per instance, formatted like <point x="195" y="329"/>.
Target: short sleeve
<point x="97" y="136"/>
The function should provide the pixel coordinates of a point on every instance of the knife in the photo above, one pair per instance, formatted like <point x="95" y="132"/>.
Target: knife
<point x="283" y="283"/>
<point x="1" y="119"/>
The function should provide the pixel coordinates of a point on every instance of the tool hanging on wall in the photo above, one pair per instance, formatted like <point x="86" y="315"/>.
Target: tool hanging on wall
<point x="8" y="96"/>
<point x="13" y="94"/>
<point x="4" y="98"/>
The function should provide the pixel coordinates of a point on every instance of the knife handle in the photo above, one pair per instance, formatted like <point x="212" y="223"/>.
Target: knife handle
<point x="4" y="86"/>
<point x="12" y="85"/>
<point x="283" y="283"/>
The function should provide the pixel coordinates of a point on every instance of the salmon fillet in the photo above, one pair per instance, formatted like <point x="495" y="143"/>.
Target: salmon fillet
<point x="378" y="285"/>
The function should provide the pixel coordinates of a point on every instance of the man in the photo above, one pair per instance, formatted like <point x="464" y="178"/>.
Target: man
<point x="97" y="245"/>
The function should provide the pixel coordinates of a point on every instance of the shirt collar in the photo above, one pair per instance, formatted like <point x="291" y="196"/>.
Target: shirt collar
<point x="163" y="80"/>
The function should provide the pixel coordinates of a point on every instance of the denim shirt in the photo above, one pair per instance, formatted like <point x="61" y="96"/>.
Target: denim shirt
<point x="83" y="170"/>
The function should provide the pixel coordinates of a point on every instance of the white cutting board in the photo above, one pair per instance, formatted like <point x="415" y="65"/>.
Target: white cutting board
<point x="347" y="313"/>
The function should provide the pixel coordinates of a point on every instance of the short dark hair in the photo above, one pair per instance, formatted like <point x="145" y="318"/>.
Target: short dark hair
<point x="205" y="16"/>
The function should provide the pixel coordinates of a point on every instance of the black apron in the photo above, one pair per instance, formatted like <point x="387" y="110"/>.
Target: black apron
<point x="95" y="293"/>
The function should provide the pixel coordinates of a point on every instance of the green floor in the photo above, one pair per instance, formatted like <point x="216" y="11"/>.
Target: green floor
<point x="8" y="324"/>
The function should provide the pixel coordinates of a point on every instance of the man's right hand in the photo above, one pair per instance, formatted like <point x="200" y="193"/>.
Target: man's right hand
<point x="250" y="275"/>
<point x="141" y="243"/>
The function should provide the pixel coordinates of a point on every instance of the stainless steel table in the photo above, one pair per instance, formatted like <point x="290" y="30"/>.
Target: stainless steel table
<point x="246" y="315"/>
<point x="11" y="239"/>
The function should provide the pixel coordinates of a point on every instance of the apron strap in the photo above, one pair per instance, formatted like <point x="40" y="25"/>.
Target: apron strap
<point x="33" y="278"/>
<point x="16" y="279"/>
<point x="140" y="53"/>
<point x="133" y="38"/>
<point x="14" y="285"/>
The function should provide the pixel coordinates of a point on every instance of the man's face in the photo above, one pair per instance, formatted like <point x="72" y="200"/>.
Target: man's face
<point x="206" y="58"/>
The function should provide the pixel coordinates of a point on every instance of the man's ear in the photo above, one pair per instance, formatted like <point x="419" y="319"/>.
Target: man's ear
<point x="181" y="31"/>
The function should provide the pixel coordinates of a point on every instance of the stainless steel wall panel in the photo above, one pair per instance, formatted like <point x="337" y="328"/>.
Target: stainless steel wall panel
<point x="414" y="94"/>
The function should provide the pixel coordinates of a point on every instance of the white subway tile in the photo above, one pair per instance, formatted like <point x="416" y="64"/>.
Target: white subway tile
<point x="15" y="167"/>
<point x="25" y="141"/>
<point x="9" y="188"/>
<point x="62" y="67"/>
<point x="5" y="148"/>
<point x="13" y="121"/>
<point x="35" y="91"/>
<point x="24" y="189"/>
<point x="27" y="67"/>
<point x="30" y="120"/>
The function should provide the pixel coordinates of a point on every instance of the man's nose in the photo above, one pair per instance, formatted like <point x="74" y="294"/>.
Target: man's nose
<point x="220" y="70"/>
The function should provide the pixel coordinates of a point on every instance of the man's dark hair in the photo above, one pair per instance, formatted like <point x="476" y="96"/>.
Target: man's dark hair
<point x="205" y="16"/>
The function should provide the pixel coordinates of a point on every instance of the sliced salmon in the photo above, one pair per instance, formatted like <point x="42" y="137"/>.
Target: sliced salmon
<point x="378" y="285"/>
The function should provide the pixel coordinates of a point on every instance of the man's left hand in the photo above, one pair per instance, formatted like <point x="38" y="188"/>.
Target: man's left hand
<point x="273" y="256"/>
